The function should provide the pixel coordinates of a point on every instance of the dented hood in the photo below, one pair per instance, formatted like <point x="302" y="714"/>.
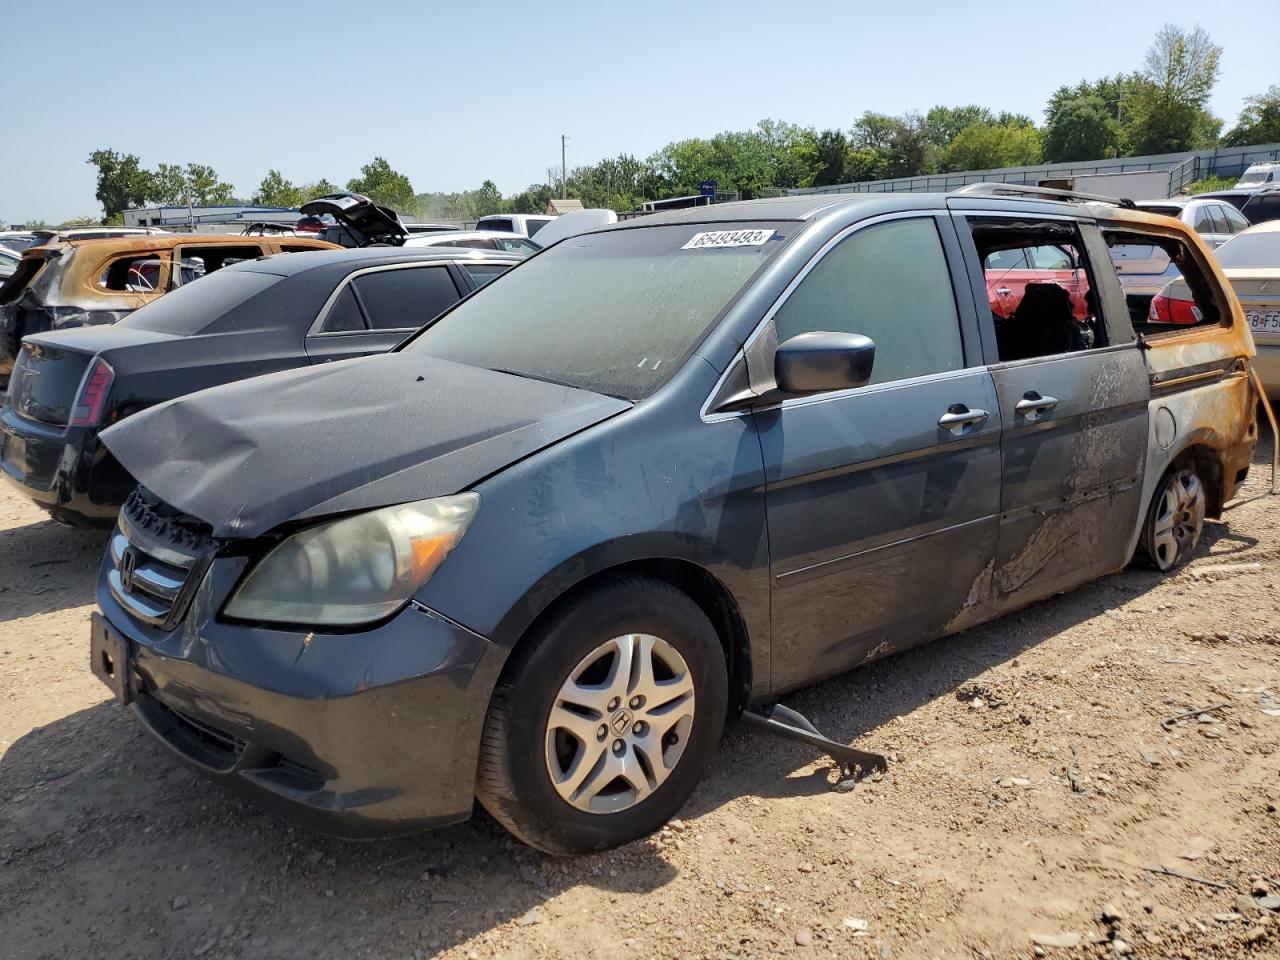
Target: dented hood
<point x="354" y="435"/>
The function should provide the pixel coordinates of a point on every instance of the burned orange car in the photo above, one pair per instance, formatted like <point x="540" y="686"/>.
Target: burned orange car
<point x="78" y="283"/>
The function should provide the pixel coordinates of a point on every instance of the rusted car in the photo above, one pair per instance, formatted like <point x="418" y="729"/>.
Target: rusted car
<point x="77" y="283"/>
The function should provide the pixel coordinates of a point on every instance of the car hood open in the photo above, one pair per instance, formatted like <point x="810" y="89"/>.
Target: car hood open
<point x="354" y="435"/>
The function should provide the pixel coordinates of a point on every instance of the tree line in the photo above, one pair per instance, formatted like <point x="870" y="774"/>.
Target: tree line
<point x="1161" y="108"/>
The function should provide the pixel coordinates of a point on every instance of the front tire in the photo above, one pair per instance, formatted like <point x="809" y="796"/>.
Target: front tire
<point x="605" y="719"/>
<point x="1175" y="518"/>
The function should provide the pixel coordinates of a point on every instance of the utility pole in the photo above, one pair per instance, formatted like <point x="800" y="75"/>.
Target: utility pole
<point x="564" y="178"/>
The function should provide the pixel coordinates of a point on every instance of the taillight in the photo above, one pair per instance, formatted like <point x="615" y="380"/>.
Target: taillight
<point x="1172" y="310"/>
<point x="93" y="394"/>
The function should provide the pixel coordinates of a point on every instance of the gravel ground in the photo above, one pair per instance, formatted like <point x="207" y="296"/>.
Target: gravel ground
<point x="1031" y="785"/>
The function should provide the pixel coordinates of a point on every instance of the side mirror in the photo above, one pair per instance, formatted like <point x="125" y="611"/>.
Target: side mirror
<point x="820" y="362"/>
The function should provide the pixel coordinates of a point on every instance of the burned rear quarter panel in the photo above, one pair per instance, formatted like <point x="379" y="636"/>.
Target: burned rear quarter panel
<point x="1201" y="391"/>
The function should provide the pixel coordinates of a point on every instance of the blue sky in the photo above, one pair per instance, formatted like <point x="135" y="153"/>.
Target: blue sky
<point x="454" y="93"/>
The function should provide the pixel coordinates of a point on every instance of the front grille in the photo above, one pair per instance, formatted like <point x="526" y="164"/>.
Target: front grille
<point x="158" y="556"/>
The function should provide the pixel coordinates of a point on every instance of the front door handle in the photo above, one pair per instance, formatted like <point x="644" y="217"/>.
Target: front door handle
<point x="1033" y="405"/>
<point x="1003" y="291"/>
<point x="959" y="418"/>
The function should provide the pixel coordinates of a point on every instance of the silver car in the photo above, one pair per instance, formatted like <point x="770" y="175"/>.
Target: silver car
<point x="1145" y="270"/>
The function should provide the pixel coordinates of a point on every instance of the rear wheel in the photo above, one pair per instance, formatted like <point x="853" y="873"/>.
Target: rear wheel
<point x="1175" y="518"/>
<point x="604" y="722"/>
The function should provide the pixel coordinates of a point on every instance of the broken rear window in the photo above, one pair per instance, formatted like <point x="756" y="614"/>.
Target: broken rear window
<point x="1165" y="286"/>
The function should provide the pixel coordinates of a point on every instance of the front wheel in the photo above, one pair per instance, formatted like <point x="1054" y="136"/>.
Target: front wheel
<point x="605" y="720"/>
<point x="1175" y="519"/>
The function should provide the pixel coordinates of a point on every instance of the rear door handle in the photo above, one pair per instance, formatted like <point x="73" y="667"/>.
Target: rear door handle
<point x="959" y="417"/>
<point x="1003" y="291"/>
<point x="1033" y="405"/>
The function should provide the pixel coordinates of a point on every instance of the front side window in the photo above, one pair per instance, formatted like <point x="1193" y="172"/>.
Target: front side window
<point x="405" y="299"/>
<point x="889" y="282"/>
<point x="616" y="312"/>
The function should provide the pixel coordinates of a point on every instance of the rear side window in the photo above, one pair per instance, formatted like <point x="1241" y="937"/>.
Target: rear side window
<point x="405" y="299"/>
<point x="200" y="261"/>
<point x="1204" y="221"/>
<point x="889" y="282"/>
<point x="137" y="274"/>
<point x="534" y="226"/>
<point x="1219" y="221"/>
<point x="344" y="316"/>
<point x="1235" y="222"/>
<point x="1185" y="297"/>
<point x="482" y="273"/>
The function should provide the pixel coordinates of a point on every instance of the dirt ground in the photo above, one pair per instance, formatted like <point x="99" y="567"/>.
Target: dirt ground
<point x="1030" y="788"/>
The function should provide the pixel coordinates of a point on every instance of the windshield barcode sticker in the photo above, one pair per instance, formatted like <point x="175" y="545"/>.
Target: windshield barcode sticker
<point x="728" y="238"/>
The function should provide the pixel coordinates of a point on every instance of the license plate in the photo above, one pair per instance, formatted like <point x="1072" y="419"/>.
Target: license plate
<point x="109" y="658"/>
<point x="1264" y="321"/>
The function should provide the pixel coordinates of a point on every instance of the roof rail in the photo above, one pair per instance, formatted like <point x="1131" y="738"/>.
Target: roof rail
<point x="1049" y="193"/>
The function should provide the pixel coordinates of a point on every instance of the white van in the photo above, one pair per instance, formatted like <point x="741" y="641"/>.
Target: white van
<point x="1258" y="175"/>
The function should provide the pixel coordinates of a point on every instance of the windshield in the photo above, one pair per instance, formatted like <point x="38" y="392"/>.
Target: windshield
<point x="1246" y="250"/>
<point x="1251" y="177"/>
<point x="615" y="312"/>
<point x="192" y="307"/>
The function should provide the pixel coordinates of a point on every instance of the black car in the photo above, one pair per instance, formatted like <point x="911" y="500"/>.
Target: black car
<point x="274" y="313"/>
<point x="1258" y="205"/>
<point x="661" y="472"/>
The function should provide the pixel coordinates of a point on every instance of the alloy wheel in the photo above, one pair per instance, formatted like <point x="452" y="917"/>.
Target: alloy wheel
<point x="1179" y="519"/>
<point x="620" y="723"/>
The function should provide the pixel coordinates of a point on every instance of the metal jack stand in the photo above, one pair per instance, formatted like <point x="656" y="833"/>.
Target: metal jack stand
<point x="786" y="723"/>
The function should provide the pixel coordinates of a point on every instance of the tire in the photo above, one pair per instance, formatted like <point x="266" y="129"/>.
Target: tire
<point x="552" y="788"/>
<point x="1175" y="518"/>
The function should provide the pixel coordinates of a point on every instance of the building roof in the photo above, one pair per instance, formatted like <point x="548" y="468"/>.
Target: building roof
<point x="558" y="206"/>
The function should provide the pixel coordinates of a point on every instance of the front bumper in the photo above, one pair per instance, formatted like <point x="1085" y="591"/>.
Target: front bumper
<point x="356" y="735"/>
<point x="66" y="470"/>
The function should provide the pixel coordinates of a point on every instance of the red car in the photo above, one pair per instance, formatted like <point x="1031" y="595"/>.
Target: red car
<point x="1009" y="271"/>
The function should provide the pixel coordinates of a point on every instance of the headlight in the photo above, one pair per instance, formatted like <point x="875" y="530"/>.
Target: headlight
<point x="355" y="570"/>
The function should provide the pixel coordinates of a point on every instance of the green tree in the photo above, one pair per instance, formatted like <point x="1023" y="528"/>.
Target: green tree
<point x="1166" y="113"/>
<point x="122" y="183"/>
<point x="168" y="186"/>
<point x="78" y="222"/>
<point x="1259" y="120"/>
<point x="989" y="146"/>
<point x="941" y="125"/>
<point x="276" y="191"/>
<point x="532" y="199"/>
<point x="320" y="188"/>
<point x="1081" y="128"/>
<point x="485" y="200"/>
<point x="385" y="186"/>
<point x="832" y="156"/>
<point x="206" y="189"/>
<point x="899" y="142"/>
